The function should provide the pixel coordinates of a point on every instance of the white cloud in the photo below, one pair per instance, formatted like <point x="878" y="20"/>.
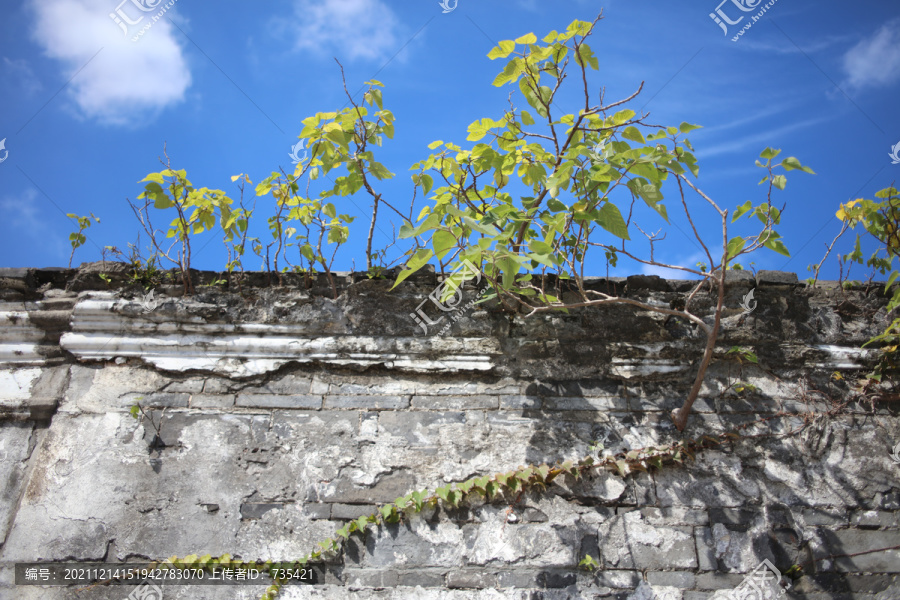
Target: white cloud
<point x="347" y="29"/>
<point x="127" y="79"/>
<point x="875" y="61"/>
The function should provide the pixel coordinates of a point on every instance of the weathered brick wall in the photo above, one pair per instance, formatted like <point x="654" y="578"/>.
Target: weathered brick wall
<point x="287" y="412"/>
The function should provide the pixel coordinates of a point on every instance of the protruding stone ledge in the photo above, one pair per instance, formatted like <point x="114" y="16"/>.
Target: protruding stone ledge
<point x="106" y="328"/>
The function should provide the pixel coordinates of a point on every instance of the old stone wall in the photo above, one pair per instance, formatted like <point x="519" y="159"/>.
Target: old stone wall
<point x="282" y="412"/>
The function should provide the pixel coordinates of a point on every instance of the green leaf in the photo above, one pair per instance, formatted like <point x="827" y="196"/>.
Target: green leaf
<point x="887" y="287"/>
<point x="610" y="219"/>
<point x="362" y="522"/>
<point x="735" y="245"/>
<point x="777" y="246"/>
<point x="556" y="206"/>
<point x="442" y="241"/>
<point x="503" y="50"/>
<point x="427" y="182"/>
<point x="527" y="119"/>
<point x="376" y="97"/>
<point x="791" y="163"/>
<point x="779" y="181"/>
<point x="622" y="116"/>
<point x="156" y="177"/>
<point x="769" y="153"/>
<point x="540" y="247"/>
<point x="419" y="260"/>
<point x="632" y="133"/>
<point x="528" y="38"/>
<point x="687" y="127"/>
<point x="742" y="210"/>
<point x="480" y="227"/>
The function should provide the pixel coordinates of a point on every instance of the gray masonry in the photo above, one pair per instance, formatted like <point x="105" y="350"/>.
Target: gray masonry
<point x="274" y="414"/>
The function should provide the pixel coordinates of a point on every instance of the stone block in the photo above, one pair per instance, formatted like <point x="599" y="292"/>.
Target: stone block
<point x="351" y="511"/>
<point x="455" y="402"/>
<point x="706" y="549"/>
<point x="291" y="384"/>
<point x="854" y="541"/>
<point x="629" y="542"/>
<point x="539" y="545"/>
<point x="367" y="402"/>
<point x="875" y="519"/>
<point x="277" y="401"/>
<point x="585" y="404"/>
<point x="212" y="401"/>
<point x="468" y="580"/>
<point x="387" y="488"/>
<point x="164" y="400"/>
<point x="823" y="516"/>
<point x="421" y="428"/>
<point x="424" y="578"/>
<point x="518" y="402"/>
<point x="776" y="278"/>
<point x="256" y="510"/>
<point x="678" y="579"/>
<point x="317" y="510"/>
<point x="414" y="544"/>
<point x="15" y="448"/>
<point x="191" y="386"/>
<point x="370" y="578"/>
<point x="647" y="282"/>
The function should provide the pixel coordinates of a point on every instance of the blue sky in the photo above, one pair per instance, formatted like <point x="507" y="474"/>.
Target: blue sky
<point x="225" y="85"/>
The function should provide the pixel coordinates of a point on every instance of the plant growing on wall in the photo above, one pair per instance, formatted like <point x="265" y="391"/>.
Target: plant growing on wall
<point x="542" y="191"/>
<point x="880" y="218"/>
<point x="77" y="238"/>
<point x="196" y="211"/>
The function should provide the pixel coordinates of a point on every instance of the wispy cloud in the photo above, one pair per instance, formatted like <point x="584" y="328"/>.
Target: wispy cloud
<point x="778" y="44"/>
<point x="24" y="214"/>
<point x="126" y="80"/>
<point x="765" y="137"/>
<point x="19" y="77"/>
<point x="875" y="61"/>
<point x="690" y="261"/>
<point x="348" y="29"/>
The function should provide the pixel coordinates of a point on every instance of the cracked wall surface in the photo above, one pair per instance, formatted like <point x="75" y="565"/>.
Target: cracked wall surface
<point x="275" y="414"/>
